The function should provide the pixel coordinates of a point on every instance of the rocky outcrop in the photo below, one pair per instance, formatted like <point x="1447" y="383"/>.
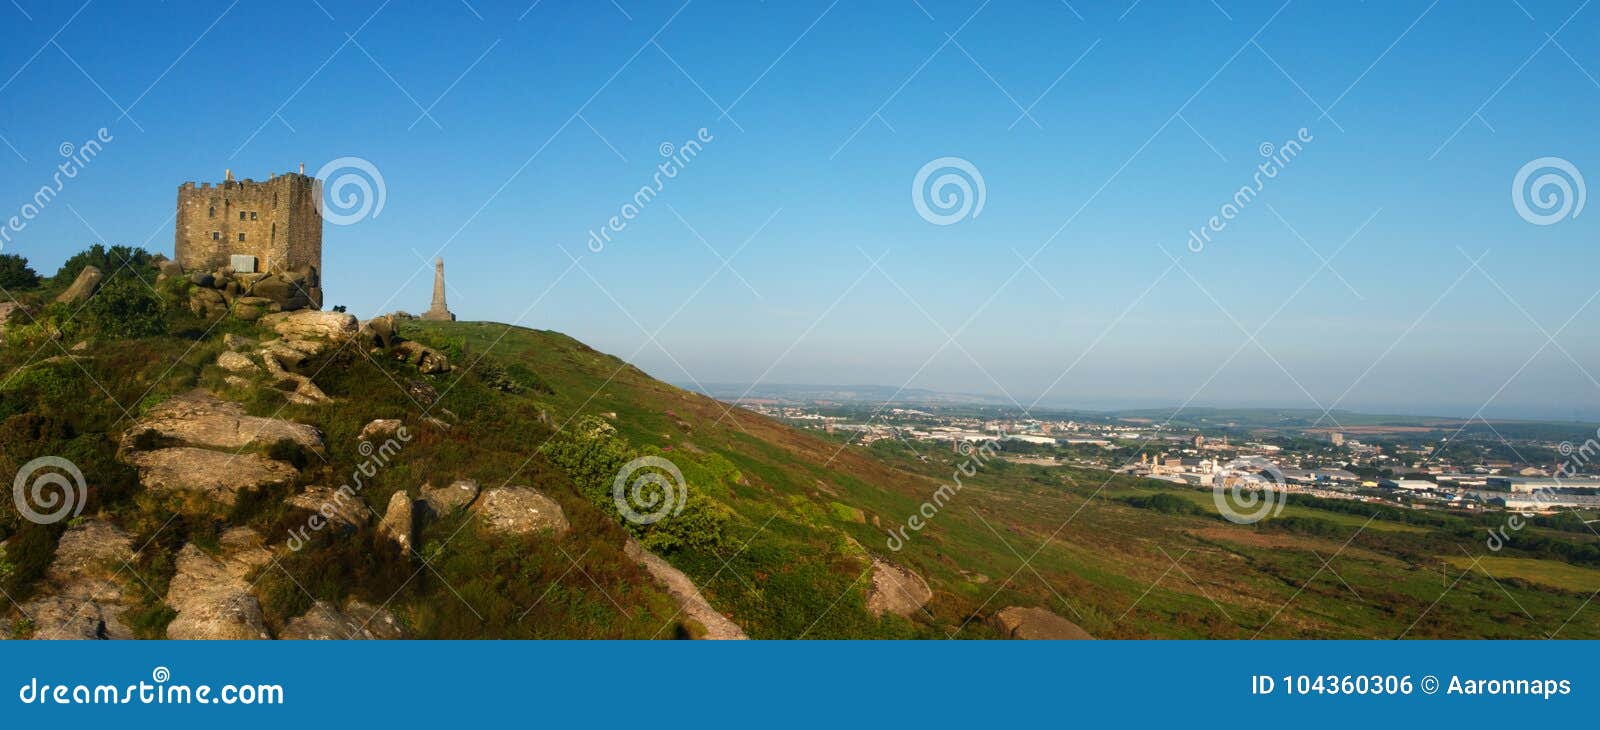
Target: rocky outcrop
<point x="84" y="286"/>
<point x="379" y="429"/>
<point x="896" y="590"/>
<point x="399" y="521"/>
<point x="427" y="360"/>
<point x="8" y="310"/>
<point x="332" y="326"/>
<point x="82" y="595"/>
<point x="323" y="622"/>
<point x="235" y="362"/>
<point x="690" y="602"/>
<point x="1019" y="622"/>
<point x="521" y="511"/>
<point x="338" y="508"/>
<point x="198" y="418"/>
<point x="250" y="295"/>
<point x="442" y="501"/>
<point x="212" y="597"/>
<point x="217" y="475"/>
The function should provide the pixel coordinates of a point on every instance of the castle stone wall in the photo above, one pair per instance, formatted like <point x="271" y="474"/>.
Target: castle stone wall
<point x="276" y="221"/>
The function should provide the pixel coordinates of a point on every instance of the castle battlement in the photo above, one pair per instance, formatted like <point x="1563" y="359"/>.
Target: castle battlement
<point x="277" y="222"/>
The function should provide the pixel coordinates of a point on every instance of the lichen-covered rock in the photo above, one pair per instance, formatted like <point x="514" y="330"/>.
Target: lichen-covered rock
<point x="427" y="360"/>
<point x="84" y="286"/>
<point x="896" y="590"/>
<point x="521" y="511"/>
<point x="1019" y="622"/>
<point x="683" y="590"/>
<point x="83" y="593"/>
<point x="309" y="325"/>
<point x="337" y="507"/>
<point x="198" y="418"/>
<point x="218" y="475"/>
<point x="212" y="598"/>
<point x="399" y="520"/>
<point x="442" y="501"/>
<point x="379" y="429"/>
<point x="234" y="362"/>
<point x="323" y="622"/>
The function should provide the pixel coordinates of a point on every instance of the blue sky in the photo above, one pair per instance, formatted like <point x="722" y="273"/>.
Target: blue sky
<point x="1073" y="286"/>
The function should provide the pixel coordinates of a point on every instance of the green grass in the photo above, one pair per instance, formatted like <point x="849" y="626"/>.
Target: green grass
<point x="799" y="515"/>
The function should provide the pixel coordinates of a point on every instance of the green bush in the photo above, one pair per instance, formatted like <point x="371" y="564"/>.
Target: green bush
<point x="15" y="273"/>
<point x="126" y="308"/>
<point x="113" y="262"/>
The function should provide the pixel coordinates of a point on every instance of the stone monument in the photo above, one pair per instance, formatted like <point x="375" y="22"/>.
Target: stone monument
<point x="438" y="311"/>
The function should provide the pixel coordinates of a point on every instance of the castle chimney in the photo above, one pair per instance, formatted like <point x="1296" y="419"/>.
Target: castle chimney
<point x="227" y="174"/>
<point x="302" y="168"/>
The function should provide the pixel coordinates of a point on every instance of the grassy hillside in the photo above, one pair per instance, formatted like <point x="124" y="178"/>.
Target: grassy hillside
<point x="779" y="527"/>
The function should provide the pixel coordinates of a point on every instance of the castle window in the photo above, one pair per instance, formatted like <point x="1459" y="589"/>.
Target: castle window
<point x="241" y="215"/>
<point x="252" y="215"/>
<point x="216" y="235"/>
<point x="241" y="238"/>
<point x="212" y="212"/>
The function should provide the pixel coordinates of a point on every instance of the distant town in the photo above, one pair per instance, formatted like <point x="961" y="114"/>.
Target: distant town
<point x="1420" y="463"/>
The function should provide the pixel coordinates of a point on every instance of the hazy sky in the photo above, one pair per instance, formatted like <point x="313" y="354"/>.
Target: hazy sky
<point x="505" y="134"/>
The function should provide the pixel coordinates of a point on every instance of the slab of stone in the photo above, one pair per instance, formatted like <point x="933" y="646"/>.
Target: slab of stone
<point x="201" y="419"/>
<point x="896" y="590"/>
<point x="1019" y="622"/>
<point x="521" y="511"/>
<point x="82" y="595"/>
<point x="219" y="475"/>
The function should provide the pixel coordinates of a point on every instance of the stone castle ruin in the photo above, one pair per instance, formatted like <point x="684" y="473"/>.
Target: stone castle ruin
<point x="259" y="242"/>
